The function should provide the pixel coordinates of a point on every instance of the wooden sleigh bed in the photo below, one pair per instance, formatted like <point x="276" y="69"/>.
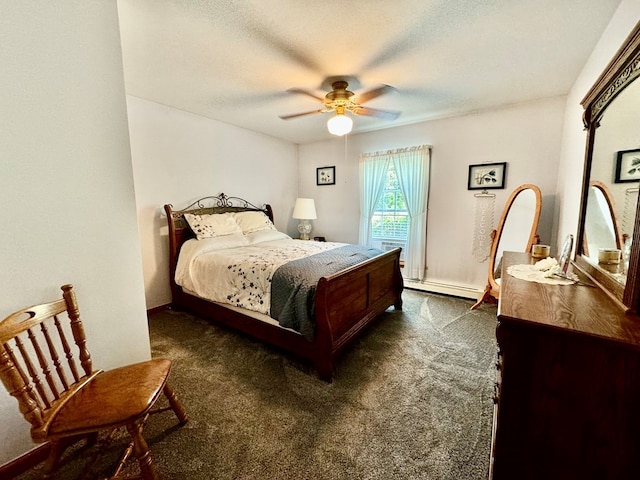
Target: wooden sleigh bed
<point x="345" y="302"/>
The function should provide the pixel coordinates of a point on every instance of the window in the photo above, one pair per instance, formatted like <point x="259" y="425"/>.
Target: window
<point x="394" y="188"/>
<point x="390" y="220"/>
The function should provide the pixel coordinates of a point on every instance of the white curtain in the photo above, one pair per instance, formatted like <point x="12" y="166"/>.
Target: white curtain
<point x="412" y="168"/>
<point x="373" y="172"/>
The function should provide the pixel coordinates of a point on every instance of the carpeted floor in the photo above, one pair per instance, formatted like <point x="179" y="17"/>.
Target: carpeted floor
<point x="411" y="399"/>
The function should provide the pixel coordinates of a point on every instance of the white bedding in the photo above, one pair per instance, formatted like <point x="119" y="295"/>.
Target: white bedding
<point x="240" y="274"/>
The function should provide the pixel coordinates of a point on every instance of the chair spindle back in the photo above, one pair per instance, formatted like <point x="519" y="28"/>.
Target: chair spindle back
<point x="44" y="357"/>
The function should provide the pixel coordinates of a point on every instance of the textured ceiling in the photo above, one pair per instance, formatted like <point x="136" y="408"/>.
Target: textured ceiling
<point x="234" y="61"/>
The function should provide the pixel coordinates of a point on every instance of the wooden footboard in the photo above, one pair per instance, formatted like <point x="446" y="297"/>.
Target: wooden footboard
<point x="349" y="300"/>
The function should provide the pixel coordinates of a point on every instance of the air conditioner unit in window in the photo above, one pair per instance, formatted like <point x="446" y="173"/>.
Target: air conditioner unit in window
<point x="387" y="245"/>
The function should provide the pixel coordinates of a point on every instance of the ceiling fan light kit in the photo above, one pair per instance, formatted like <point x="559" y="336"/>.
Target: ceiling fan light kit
<point x="340" y="124"/>
<point x="340" y="100"/>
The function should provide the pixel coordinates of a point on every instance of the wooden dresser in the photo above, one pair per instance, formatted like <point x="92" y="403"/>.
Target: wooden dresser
<point x="568" y="383"/>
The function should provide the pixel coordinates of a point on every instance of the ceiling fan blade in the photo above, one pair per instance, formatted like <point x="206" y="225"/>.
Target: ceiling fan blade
<point x="374" y="112"/>
<point x="296" y="115"/>
<point x="306" y="92"/>
<point x="373" y="93"/>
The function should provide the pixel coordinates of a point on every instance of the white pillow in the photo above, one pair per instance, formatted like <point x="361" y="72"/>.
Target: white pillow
<point x="253" y="221"/>
<point x="266" y="236"/>
<point x="214" y="225"/>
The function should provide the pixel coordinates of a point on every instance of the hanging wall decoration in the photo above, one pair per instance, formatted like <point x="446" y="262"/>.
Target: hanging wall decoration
<point x="629" y="210"/>
<point x="483" y="225"/>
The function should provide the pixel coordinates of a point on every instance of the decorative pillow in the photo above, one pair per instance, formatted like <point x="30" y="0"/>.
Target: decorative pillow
<point x="265" y="236"/>
<point x="253" y="221"/>
<point x="214" y="225"/>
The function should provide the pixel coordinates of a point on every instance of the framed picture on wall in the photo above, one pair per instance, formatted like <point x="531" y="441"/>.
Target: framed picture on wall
<point x="326" y="176"/>
<point x="487" y="175"/>
<point x="628" y="166"/>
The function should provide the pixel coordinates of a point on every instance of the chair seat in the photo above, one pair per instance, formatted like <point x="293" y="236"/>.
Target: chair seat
<point x="99" y="404"/>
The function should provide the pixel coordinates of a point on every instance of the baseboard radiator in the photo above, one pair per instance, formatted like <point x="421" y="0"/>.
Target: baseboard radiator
<point x="444" y="288"/>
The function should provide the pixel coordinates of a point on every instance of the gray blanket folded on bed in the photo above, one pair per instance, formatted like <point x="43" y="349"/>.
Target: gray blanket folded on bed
<point x="293" y="287"/>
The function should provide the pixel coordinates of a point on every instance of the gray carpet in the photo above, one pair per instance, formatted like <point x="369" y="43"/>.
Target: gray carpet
<point x="411" y="399"/>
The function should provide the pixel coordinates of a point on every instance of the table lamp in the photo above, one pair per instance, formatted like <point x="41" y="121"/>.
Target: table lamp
<point x="304" y="210"/>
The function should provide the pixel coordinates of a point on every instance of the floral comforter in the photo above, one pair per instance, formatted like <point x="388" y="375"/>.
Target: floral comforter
<point x="240" y="276"/>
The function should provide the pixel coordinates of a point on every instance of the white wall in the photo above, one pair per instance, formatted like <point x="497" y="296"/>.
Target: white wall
<point x="66" y="183"/>
<point x="574" y="137"/>
<point x="526" y="136"/>
<point x="179" y="157"/>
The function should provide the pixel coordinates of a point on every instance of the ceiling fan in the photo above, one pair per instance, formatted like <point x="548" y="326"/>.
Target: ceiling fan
<point x="340" y="100"/>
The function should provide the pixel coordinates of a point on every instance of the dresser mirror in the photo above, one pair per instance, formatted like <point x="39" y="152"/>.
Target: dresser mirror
<point x="612" y="177"/>
<point x="516" y="231"/>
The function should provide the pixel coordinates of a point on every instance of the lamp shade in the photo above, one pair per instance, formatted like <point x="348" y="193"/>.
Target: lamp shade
<point x="339" y="125"/>
<point x="305" y="208"/>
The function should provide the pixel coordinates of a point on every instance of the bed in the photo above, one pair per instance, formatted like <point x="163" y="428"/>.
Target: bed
<point x="342" y="303"/>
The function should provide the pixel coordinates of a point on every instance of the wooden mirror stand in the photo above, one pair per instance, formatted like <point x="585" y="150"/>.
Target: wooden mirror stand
<point x="516" y="231"/>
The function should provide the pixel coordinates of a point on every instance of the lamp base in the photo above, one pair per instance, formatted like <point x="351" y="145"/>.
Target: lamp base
<point x="304" y="227"/>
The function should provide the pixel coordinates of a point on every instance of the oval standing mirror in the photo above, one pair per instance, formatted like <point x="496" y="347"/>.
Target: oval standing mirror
<point x="601" y="242"/>
<point x="612" y="177"/>
<point x="516" y="232"/>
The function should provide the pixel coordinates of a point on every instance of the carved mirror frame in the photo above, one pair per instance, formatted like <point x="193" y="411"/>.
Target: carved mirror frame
<point x="623" y="69"/>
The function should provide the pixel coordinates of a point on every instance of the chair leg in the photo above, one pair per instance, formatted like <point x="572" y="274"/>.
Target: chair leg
<point x="141" y="451"/>
<point x="53" y="460"/>
<point x="176" y="405"/>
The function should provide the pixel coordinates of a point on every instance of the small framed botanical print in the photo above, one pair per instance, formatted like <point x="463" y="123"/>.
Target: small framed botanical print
<point x="628" y="166"/>
<point x="326" y="176"/>
<point x="487" y="175"/>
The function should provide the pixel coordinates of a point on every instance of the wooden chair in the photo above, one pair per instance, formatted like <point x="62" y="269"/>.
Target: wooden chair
<point x="61" y="395"/>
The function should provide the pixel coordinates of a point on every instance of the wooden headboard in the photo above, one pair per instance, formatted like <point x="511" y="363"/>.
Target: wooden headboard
<point x="179" y="231"/>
